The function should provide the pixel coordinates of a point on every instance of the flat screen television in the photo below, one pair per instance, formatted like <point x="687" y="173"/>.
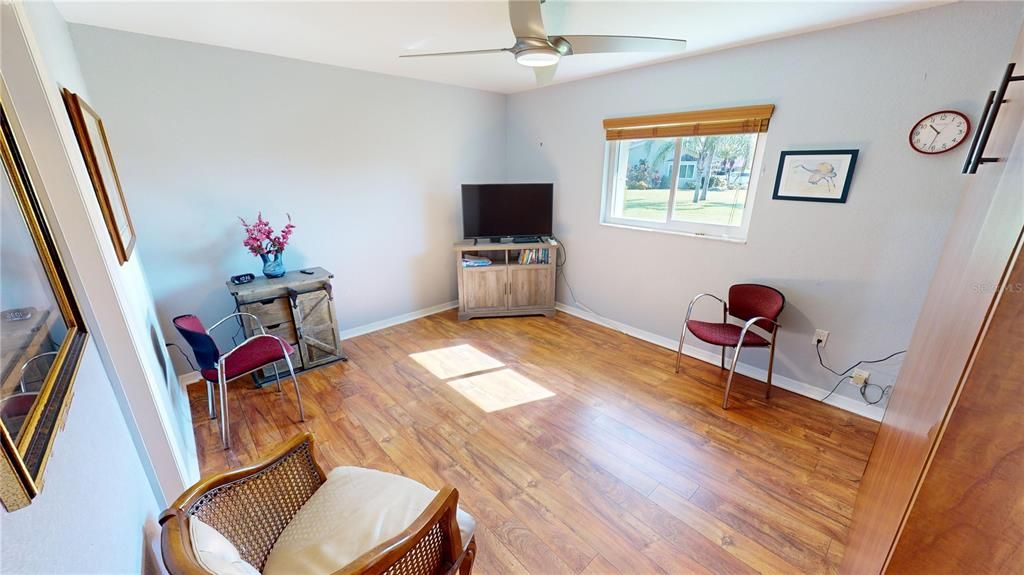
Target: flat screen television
<point x="506" y="210"/>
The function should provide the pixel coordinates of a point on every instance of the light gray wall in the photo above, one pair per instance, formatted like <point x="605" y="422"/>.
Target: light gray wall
<point x="860" y="269"/>
<point x="97" y="512"/>
<point x="369" y="167"/>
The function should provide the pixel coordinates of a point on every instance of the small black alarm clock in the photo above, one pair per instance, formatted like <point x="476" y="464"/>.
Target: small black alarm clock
<point x="242" y="279"/>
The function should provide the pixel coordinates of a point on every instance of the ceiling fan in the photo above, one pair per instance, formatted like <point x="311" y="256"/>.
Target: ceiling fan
<point x="535" y="49"/>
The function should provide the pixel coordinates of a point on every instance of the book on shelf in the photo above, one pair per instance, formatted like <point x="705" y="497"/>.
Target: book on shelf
<point x="470" y="261"/>
<point x="533" y="256"/>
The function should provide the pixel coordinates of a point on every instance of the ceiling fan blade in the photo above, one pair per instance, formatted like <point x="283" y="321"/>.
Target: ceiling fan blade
<point x="460" y="53"/>
<point x="604" y="44"/>
<point x="545" y="74"/>
<point x="526" y="19"/>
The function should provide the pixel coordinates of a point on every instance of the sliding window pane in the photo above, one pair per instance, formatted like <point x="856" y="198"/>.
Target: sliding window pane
<point x="645" y="178"/>
<point x="713" y="181"/>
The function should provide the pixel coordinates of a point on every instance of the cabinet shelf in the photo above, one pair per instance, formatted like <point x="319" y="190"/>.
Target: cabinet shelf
<point x="472" y="269"/>
<point x="528" y="266"/>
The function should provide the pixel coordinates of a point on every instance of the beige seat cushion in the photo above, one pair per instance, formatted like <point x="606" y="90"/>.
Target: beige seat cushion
<point x="355" y="510"/>
<point x="214" y="552"/>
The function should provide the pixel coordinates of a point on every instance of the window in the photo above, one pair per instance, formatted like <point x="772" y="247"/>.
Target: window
<point x="690" y="173"/>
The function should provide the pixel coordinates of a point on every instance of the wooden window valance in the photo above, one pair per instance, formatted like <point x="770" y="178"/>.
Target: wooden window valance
<point x="741" y="120"/>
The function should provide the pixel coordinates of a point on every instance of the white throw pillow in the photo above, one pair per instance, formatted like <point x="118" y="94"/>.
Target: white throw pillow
<point x="215" y="553"/>
<point x="355" y="510"/>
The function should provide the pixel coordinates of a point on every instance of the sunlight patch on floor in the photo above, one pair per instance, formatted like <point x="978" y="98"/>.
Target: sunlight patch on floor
<point x="454" y="361"/>
<point x="499" y="390"/>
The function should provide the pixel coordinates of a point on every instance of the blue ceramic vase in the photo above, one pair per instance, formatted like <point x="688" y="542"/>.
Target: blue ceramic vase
<point x="273" y="264"/>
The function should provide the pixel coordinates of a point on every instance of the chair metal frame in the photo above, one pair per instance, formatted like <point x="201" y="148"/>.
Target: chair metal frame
<point x="222" y="387"/>
<point x="739" y="344"/>
<point x="24" y="366"/>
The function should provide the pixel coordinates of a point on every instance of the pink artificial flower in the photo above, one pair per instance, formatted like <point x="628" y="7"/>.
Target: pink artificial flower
<point x="260" y="238"/>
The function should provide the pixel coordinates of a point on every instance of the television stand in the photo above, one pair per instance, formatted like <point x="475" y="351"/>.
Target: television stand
<point x="506" y="287"/>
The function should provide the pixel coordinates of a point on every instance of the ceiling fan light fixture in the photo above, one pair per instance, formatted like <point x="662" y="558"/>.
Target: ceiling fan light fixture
<point x="538" y="57"/>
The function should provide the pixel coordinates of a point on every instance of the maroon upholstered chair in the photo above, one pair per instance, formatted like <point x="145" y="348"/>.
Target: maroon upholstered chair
<point x="753" y="304"/>
<point x="15" y="408"/>
<point x="255" y="353"/>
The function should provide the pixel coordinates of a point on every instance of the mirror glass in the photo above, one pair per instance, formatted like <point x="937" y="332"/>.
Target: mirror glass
<point x="32" y="327"/>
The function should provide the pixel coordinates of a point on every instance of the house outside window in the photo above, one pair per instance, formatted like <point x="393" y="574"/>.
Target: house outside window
<point x="691" y="173"/>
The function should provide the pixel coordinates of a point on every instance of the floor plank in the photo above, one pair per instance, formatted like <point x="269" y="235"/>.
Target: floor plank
<point x="627" y="468"/>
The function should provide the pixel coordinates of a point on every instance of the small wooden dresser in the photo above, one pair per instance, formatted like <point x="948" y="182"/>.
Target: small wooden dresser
<point x="298" y="308"/>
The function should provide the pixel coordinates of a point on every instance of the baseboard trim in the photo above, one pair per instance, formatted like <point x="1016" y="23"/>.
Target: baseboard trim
<point x="187" y="379"/>
<point x="395" y="320"/>
<point x="789" y="384"/>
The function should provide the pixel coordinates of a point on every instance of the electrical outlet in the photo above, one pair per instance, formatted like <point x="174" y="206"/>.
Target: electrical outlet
<point x="860" y="376"/>
<point x="820" y="336"/>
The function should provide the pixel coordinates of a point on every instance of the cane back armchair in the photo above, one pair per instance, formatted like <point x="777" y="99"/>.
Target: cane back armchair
<point x="251" y="506"/>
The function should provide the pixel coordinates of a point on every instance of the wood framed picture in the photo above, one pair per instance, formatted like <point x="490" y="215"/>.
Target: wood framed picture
<point x="92" y="139"/>
<point x="42" y="336"/>
<point x="815" y="175"/>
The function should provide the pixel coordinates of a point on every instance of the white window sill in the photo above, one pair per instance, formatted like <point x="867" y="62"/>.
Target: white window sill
<point x="643" y="228"/>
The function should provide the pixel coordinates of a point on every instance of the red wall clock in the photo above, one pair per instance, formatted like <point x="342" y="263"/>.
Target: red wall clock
<point x="939" y="132"/>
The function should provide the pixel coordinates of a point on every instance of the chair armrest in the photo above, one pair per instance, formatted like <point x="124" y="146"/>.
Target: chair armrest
<point x="751" y="323"/>
<point x="24" y="366"/>
<point x="234" y="515"/>
<point x="754" y="320"/>
<point x="689" y="309"/>
<point x="36" y="357"/>
<point x="259" y="324"/>
<point x="417" y="545"/>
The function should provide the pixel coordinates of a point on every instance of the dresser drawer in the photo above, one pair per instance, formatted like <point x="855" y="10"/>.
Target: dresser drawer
<point x="271" y="312"/>
<point x="284" y="330"/>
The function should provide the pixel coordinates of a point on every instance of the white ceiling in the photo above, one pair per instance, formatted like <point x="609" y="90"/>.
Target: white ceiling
<point x="370" y="35"/>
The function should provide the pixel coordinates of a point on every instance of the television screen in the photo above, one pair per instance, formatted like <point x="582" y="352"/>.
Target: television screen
<point x="503" y="210"/>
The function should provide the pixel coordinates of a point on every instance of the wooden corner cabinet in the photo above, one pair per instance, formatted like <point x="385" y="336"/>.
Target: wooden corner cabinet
<point x="520" y="280"/>
<point x="298" y="308"/>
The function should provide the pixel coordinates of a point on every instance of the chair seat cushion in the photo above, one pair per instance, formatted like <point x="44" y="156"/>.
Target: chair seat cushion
<point x="214" y="552"/>
<point x="355" y="510"/>
<point x="256" y="352"/>
<point x="725" y="334"/>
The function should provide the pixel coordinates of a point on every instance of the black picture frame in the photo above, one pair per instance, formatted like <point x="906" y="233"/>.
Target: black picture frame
<point x="830" y="197"/>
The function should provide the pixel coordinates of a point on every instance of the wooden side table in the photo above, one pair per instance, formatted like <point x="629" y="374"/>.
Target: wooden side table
<point x="298" y="308"/>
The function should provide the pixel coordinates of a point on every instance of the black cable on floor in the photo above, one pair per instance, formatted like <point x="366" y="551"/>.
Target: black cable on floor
<point x="183" y="354"/>
<point x="864" y="387"/>
<point x="838" y="383"/>
<point x="884" y="392"/>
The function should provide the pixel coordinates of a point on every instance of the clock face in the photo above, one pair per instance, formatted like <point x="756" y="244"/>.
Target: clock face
<point x="940" y="132"/>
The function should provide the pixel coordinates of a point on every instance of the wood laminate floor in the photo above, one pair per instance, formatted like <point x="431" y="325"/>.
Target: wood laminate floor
<point x="614" y="464"/>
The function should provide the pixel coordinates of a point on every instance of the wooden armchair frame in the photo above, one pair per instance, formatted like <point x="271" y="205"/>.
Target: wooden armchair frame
<point x="278" y="486"/>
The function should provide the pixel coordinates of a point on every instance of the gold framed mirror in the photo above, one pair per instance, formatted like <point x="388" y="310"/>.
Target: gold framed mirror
<point x="42" y="336"/>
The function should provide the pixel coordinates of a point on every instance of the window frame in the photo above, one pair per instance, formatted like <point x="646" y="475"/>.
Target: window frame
<point x="610" y="196"/>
